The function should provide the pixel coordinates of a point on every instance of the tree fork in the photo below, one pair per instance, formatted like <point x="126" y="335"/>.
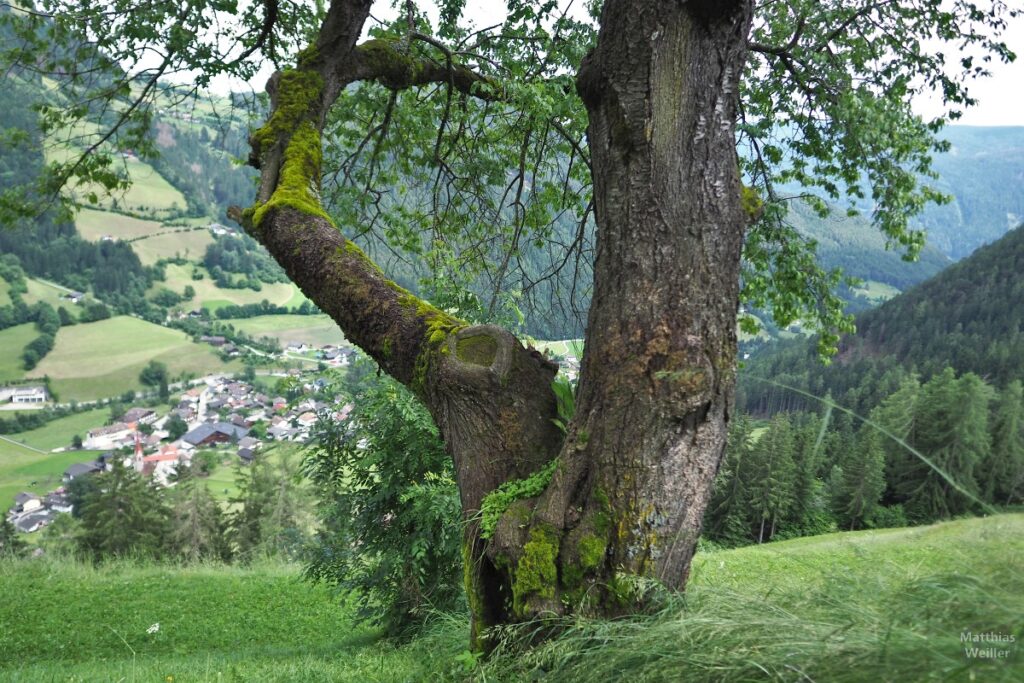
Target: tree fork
<point x="490" y="397"/>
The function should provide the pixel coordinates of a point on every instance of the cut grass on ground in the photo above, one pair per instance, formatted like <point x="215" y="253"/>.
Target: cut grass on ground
<point x="104" y="359"/>
<point x="864" y="606"/>
<point x="51" y="294"/>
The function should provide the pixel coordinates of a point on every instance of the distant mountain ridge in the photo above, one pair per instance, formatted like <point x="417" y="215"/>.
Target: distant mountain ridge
<point x="984" y="172"/>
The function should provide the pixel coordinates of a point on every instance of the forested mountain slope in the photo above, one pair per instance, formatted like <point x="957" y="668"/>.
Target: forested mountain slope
<point x="968" y="317"/>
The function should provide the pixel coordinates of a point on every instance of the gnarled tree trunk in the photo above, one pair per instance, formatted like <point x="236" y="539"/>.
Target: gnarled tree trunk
<point x="635" y="469"/>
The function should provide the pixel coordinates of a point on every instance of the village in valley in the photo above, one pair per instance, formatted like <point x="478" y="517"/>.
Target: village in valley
<point x="227" y="417"/>
<point x="217" y="414"/>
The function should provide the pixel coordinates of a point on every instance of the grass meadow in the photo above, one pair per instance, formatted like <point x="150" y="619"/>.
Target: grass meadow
<point x="864" y="606"/>
<point x="104" y="358"/>
<point x="210" y="296"/>
<point x="24" y="469"/>
<point x="12" y="341"/>
<point x="311" y="329"/>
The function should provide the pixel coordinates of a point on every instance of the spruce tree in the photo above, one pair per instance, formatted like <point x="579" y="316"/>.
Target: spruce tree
<point x="809" y="514"/>
<point x="1001" y="475"/>
<point x="772" y="476"/>
<point x="11" y="545"/>
<point x="728" y="518"/>
<point x="198" y="527"/>
<point x="126" y="516"/>
<point x="861" y="481"/>
<point x="950" y="429"/>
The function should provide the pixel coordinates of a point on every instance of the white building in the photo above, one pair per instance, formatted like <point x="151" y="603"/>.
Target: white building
<point x="29" y="395"/>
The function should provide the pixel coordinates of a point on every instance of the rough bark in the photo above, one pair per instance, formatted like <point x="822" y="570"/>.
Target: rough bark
<point x="657" y="378"/>
<point x="633" y="474"/>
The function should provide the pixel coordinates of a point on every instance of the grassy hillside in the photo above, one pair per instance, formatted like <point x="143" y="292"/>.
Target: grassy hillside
<point x="104" y="358"/>
<point x="58" y="434"/>
<point x="210" y="296"/>
<point x="865" y="606"/>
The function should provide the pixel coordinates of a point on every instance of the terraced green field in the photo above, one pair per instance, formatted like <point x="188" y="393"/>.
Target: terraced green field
<point x="51" y="294"/>
<point x="92" y="225"/>
<point x="60" y="432"/>
<point x="189" y="244"/>
<point x="12" y="341"/>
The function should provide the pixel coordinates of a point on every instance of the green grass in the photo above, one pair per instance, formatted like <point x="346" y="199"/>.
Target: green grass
<point x="319" y="330"/>
<point x="104" y="358"/>
<point x="22" y="469"/>
<point x="565" y="347"/>
<point x="93" y="225"/>
<point x="876" y="291"/>
<point x="12" y="342"/>
<point x="42" y="291"/>
<point x="864" y="606"/>
<point x="221" y="481"/>
<point x="190" y="244"/>
<point x="150" y="194"/>
<point x="209" y="295"/>
<point x="58" y="434"/>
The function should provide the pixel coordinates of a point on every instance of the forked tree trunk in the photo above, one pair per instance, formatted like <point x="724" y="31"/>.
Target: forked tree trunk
<point x="634" y="474"/>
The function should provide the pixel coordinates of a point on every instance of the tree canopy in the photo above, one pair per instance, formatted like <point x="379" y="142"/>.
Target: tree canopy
<point x="461" y="147"/>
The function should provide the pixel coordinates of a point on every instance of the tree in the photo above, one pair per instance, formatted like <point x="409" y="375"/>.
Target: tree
<point x="176" y="427"/>
<point x="950" y="428"/>
<point x="815" y="92"/>
<point x="1001" y="475"/>
<point x="398" y="497"/>
<point x="862" y="480"/>
<point x="772" y="476"/>
<point x="124" y="517"/>
<point x="11" y="545"/>
<point x="269" y="511"/>
<point x="198" y="530"/>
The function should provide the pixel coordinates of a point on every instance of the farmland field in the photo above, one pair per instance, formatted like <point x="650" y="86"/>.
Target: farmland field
<point x="92" y="225"/>
<point x="51" y="294"/>
<point x="311" y="329"/>
<point x="190" y="244"/>
<point x="211" y="296"/>
<point x="12" y="341"/>
<point x="104" y="358"/>
<point x="58" y="434"/>
<point x="22" y="469"/>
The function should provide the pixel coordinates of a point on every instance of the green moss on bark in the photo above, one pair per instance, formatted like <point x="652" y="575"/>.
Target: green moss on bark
<point x="495" y="503"/>
<point x="536" y="573"/>
<point x="479" y="349"/>
<point x="299" y="179"/>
